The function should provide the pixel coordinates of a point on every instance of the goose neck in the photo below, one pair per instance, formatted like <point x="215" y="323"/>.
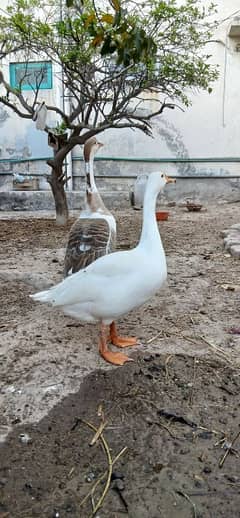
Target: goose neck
<point x="91" y="185"/>
<point x="150" y="231"/>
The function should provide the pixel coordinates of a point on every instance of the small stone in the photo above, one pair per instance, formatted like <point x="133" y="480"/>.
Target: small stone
<point x="25" y="438"/>
<point x="149" y="420"/>
<point x="227" y="445"/>
<point x="229" y="242"/>
<point x="155" y="368"/>
<point x="69" y="507"/>
<point x="235" y="250"/>
<point x="207" y="470"/>
<point x="232" y="478"/>
<point x="198" y="483"/>
<point x="17" y="420"/>
<point x="90" y="477"/>
<point x="236" y="226"/>
<point x="231" y="234"/>
<point x="202" y="457"/>
<point x="157" y="468"/>
<point x="117" y="475"/>
<point x="149" y="376"/>
<point x="184" y="451"/>
<point x="148" y="358"/>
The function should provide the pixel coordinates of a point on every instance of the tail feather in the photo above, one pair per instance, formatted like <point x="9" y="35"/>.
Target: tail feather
<point x="44" y="296"/>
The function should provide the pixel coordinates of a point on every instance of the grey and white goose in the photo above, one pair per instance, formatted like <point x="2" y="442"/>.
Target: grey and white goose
<point x="94" y="233"/>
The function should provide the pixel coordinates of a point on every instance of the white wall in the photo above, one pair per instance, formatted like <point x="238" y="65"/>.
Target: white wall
<point x="208" y="129"/>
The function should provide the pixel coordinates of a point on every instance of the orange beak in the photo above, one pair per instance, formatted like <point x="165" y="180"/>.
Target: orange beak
<point x="169" y="179"/>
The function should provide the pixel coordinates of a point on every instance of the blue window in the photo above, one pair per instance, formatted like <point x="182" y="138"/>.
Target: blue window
<point x="31" y="75"/>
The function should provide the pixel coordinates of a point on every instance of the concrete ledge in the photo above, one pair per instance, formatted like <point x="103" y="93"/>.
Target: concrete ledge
<point x="203" y="189"/>
<point x="43" y="200"/>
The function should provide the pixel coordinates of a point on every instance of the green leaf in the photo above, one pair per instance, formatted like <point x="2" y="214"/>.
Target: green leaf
<point x="107" y="18"/>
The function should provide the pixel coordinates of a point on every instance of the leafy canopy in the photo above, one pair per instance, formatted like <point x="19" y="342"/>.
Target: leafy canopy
<point x="111" y="56"/>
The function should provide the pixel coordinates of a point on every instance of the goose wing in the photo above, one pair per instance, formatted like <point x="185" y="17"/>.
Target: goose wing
<point x="89" y="239"/>
<point x="89" y="285"/>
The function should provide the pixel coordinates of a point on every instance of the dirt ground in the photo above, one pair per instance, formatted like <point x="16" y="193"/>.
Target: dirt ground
<point x="170" y="415"/>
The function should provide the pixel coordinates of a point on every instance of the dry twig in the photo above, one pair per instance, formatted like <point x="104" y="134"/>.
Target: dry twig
<point x="169" y="358"/>
<point x="215" y="432"/>
<point x="229" y="449"/>
<point x="222" y="354"/>
<point x="98" y="433"/>
<point x="154" y="338"/>
<point x="102" y="477"/>
<point x="109" y="471"/>
<point x="181" y="493"/>
<point x="217" y="349"/>
<point x="158" y="423"/>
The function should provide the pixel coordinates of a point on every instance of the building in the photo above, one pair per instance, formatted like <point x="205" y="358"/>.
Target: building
<point x="199" y="145"/>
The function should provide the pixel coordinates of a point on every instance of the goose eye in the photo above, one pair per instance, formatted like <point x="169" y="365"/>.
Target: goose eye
<point x="162" y="175"/>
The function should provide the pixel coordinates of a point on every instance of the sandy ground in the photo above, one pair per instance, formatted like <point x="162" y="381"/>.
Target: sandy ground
<point x="175" y="408"/>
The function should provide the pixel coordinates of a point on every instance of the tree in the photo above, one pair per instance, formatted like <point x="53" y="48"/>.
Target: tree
<point x="114" y="55"/>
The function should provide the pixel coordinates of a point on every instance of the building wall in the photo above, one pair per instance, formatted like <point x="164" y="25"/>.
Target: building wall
<point x="208" y="130"/>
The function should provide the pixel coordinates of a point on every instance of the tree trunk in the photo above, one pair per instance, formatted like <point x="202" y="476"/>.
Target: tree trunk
<point x="57" y="182"/>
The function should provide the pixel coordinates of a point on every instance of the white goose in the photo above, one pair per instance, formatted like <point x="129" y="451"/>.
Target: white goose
<point x="118" y="282"/>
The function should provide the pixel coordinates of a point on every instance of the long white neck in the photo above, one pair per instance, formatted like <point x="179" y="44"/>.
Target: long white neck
<point x="93" y="200"/>
<point x="150" y="232"/>
<point x="90" y="175"/>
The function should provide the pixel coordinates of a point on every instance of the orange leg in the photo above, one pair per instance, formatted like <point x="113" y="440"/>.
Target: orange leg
<point x="110" y="356"/>
<point x="120" y="341"/>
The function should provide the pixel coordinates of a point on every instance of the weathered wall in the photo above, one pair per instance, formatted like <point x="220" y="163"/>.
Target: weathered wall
<point x="208" y="129"/>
